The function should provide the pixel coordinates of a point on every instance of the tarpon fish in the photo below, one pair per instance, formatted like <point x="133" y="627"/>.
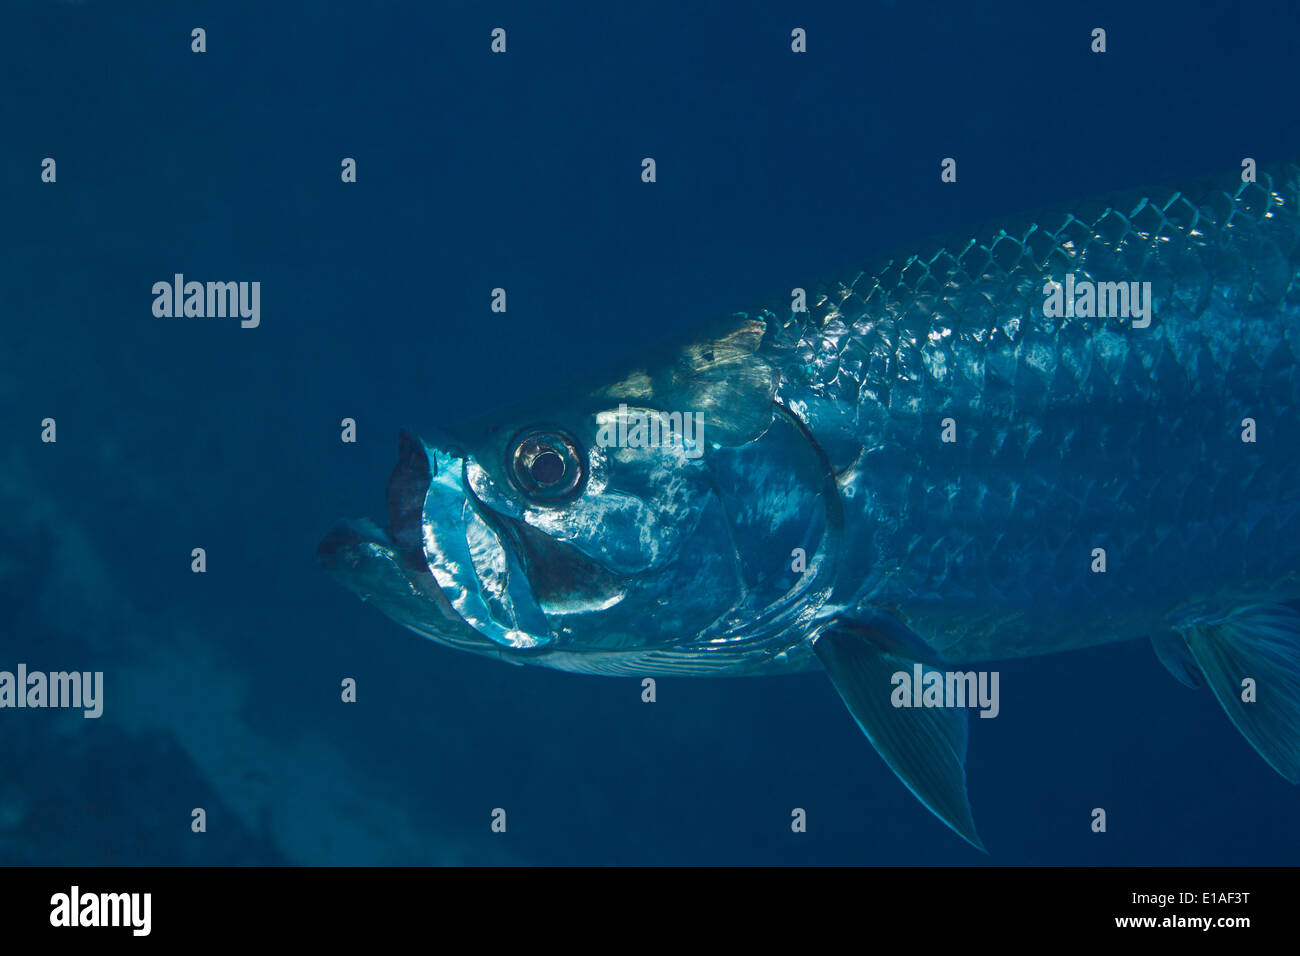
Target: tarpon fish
<point x="939" y="462"/>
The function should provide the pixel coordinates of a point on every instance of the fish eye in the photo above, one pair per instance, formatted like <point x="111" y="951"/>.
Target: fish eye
<point x="547" y="465"/>
<point x="547" y="468"/>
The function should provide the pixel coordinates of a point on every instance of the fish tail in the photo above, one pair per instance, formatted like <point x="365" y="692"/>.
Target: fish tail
<point x="1251" y="660"/>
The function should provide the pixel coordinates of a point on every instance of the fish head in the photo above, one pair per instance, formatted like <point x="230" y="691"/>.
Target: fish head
<point x="642" y="513"/>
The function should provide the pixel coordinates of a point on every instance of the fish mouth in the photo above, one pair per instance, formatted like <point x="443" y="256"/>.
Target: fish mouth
<point x="485" y="577"/>
<point x="444" y="529"/>
<point x="439" y="568"/>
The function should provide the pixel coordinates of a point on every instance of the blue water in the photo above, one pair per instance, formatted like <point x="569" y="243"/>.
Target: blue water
<point x="522" y="171"/>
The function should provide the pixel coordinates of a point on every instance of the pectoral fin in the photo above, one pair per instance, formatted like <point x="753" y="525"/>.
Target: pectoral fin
<point x="1251" y="660"/>
<point x="924" y="746"/>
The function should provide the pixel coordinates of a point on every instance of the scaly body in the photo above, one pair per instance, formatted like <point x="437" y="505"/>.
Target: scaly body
<point x="924" y="469"/>
<point x="1070" y="433"/>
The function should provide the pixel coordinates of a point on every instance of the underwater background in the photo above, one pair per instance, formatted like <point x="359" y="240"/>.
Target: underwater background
<point x="523" y="171"/>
